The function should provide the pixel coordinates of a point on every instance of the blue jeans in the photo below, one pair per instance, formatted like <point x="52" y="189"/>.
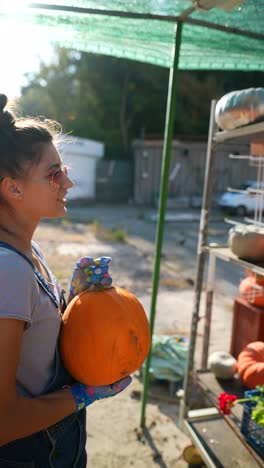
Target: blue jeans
<point x="60" y="446"/>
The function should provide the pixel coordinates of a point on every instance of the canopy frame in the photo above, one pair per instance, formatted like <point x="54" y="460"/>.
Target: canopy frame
<point x="183" y="17"/>
<point x="168" y="137"/>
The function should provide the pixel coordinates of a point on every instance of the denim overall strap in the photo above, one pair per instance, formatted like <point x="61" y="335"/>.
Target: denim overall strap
<point x="40" y="279"/>
<point x="62" y="304"/>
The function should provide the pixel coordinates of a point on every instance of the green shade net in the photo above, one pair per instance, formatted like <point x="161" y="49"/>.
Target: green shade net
<point x="149" y="40"/>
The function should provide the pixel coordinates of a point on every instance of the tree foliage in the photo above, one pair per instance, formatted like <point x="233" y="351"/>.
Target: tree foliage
<point x="116" y="101"/>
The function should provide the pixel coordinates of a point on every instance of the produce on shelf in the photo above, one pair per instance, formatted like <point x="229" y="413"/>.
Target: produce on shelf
<point x="222" y="364"/>
<point x="240" y="108"/>
<point x="247" y="242"/>
<point x="251" y="289"/>
<point x="250" y="364"/>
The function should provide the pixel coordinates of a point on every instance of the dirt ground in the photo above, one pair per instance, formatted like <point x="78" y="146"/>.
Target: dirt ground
<point x="115" y="439"/>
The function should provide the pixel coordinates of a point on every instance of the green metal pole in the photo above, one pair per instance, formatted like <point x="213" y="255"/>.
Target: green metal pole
<point x="168" y="135"/>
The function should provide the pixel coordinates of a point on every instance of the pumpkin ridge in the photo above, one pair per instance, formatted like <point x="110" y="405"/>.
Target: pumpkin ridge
<point x="251" y="364"/>
<point x="119" y="298"/>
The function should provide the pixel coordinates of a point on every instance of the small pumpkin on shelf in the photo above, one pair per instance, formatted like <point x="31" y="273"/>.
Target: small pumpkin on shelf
<point x="251" y="289"/>
<point x="247" y="242"/>
<point x="105" y="336"/>
<point x="241" y="107"/>
<point x="222" y="364"/>
<point x="250" y="364"/>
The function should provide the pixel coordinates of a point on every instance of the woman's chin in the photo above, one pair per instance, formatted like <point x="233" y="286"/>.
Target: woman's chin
<point x="58" y="214"/>
<point x="62" y="212"/>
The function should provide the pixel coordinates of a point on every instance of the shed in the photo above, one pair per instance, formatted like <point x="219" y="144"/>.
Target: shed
<point x="81" y="156"/>
<point x="186" y="172"/>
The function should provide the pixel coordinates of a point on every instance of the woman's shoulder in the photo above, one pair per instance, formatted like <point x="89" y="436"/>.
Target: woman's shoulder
<point x="10" y="259"/>
<point x="18" y="286"/>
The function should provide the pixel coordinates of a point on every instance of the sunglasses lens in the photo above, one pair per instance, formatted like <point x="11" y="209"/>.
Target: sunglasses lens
<point x="58" y="175"/>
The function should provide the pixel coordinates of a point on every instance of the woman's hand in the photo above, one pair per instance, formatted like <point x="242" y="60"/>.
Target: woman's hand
<point x="85" y="395"/>
<point x="90" y="275"/>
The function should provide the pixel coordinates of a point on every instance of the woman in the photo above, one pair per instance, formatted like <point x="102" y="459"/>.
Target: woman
<point x="42" y="411"/>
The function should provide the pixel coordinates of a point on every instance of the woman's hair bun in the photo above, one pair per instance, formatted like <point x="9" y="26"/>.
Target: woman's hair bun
<point x="7" y="118"/>
<point x="3" y="102"/>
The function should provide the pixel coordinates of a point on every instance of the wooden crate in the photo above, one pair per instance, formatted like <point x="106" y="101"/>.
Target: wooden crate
<point x="248" y="325"/>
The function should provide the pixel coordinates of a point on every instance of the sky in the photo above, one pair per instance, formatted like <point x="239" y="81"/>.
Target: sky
<point x="20" y="55"/>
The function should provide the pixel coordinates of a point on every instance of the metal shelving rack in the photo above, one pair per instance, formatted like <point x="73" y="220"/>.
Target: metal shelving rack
<point x="218" y="437"/>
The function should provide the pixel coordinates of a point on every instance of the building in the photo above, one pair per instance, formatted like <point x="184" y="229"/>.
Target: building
<point x="81" y="156"/>
<point x="187" y="170"/>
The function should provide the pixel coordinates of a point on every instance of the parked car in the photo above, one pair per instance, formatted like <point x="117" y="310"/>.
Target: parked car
<point x="241" y="201"/>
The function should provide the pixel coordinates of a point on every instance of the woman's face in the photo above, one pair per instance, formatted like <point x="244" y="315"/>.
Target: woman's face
<point x="45" y="185"/>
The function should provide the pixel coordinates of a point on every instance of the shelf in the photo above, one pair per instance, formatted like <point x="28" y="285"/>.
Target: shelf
<point x="217" y="436"/>
<point x="230" y="425"/>
<point x="213" y="387"/>
<point x="247" y="156"/>
<point x="224" y="253"/>
<point x="248" y="191"/>
<point x="218" y="444"/>
<point x="225" y="135"/>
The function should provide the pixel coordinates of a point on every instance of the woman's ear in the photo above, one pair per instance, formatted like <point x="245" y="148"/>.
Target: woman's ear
<point x="11" y="189"/>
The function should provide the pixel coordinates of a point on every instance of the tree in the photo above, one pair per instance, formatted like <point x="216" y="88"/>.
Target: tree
<point x="114" y="100"/>
<point x="97" y="97"/>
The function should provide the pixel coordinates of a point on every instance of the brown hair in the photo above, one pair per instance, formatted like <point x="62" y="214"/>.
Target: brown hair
<point x="21" y="140"/>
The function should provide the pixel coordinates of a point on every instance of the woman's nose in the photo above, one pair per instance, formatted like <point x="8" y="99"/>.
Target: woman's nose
<point x="68" y="183"/>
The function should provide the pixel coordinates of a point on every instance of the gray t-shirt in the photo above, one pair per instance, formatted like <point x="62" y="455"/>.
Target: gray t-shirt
<point x="22" y="298"/>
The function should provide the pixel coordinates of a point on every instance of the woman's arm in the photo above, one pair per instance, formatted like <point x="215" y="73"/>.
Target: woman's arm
<point x="22" y="416"/>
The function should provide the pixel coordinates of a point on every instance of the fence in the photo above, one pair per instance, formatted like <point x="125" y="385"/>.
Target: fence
<point x="114" y="181"/>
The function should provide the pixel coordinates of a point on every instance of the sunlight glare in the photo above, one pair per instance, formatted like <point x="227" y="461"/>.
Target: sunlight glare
<point x="25" y="48"/>
<point x="21" y="55"/>
<point x="13" y="6"/>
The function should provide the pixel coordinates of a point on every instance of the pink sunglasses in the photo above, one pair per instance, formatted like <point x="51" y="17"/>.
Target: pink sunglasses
<point x="57" y="177"/>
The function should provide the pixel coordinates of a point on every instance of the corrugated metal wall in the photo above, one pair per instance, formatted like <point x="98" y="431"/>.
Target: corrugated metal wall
<point x="187" y="169"/>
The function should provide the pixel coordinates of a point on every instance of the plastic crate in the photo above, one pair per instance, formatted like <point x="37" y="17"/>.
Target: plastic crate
<point x="253" y="432"/>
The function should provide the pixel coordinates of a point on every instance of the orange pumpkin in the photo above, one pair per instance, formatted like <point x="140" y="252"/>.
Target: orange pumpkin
<point x="250" y="364"/>
<point x="252" y="290"/>
<point x="105" y="336"/>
